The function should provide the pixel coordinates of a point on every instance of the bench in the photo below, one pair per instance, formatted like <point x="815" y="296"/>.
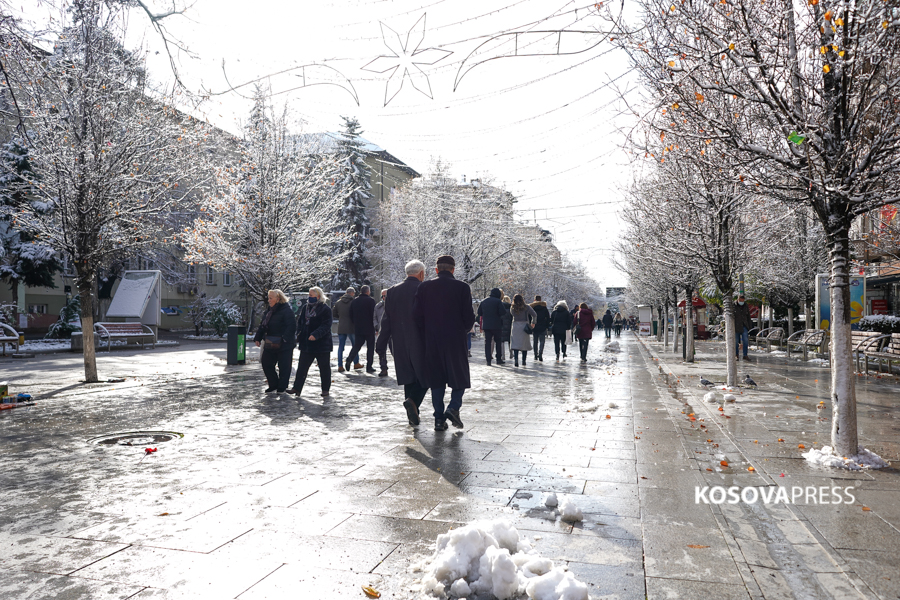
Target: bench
<point x="124" y="331"/>
<point x="883" y="348"/>
<point x="8" y="335"/>
<point x="859" y="342"/>
<point x="806" y="339"/>
<point x="769" y="336"/>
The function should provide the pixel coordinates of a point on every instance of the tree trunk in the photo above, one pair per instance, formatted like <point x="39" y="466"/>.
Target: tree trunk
<point x="844" y="436"/>
<point x="665" y="326"/>
<point x="689" y="325"/>
<point x="659" y="317"/>
<point x="730" y="354"/>
<point x="675" y="323"/>
<point x="87" y="332"/>
<point x="790" y="323"/>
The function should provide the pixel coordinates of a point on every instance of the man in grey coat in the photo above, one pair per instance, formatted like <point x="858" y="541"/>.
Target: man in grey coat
<point x="341" y="311"/>
<point x="408" y="349"/>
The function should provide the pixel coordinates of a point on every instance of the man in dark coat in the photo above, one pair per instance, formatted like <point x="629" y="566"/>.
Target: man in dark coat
<point x="399" y="329"/>
<point x="314" y="341"/>
<point x="607" y="323"/>
<point x="742" y="325"/>
<point x="443" y="313"/>
<point x="491" y="311"/>
<point x="362" y="314"/>
<point x="541" y="325"/>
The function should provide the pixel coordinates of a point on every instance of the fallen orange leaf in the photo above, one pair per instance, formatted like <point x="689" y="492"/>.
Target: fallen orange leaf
<point x="724" y="463"/>
<point x="696" y="546"/>
<point x="780" y="440"/>
<point x="801" y="446"/>
<point x="608" y="417"/>
<point x="709" y="469"/>
<point x="750" y="469"/>
<point x="866" y="508"/>
<point x="371" y="592"/>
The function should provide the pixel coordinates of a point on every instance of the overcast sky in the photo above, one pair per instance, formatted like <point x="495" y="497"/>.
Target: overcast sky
<point x="544" y="127"/>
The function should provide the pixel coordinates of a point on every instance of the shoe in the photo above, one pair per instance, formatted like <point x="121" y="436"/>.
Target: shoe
<point x="489" y="362"/>
<point x="501" y="362"/>
<point x="541" y="358"/>
<point x="470" y="353"/>
<point x="294" y="392"/>
<point x="347" y="365"/>
<point x="371" y="370"/>
<point x="523" y="361"/>
<point x="564" y="354"/>
<point x="453" y="417"/>
<point x="356" y="366"/>
<point x="440" y="426"/>
<point x="412" y="411"/>
<point x="557" y="358"/>
<point x="325" y="394"/>
<point x="340" y="368"/>
<point x="383" y="373"/>
<point x="282" y="391"/>
<point x="517" y="362"/>
<point x="270" y="390"/>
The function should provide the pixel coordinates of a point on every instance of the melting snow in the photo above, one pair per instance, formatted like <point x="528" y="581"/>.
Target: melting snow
<point x="569" y="512"/>
<point x="863" y="460"/>
<point x="710" y="397"/>
<point x="729" y="398"/>
<point x="551" y="500"/>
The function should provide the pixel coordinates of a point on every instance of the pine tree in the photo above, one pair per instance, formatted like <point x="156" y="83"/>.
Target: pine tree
<point x="24" y="260"/>
<point x="356" y="189"/>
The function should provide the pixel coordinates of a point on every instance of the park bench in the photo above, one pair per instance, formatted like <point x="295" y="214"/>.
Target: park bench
<point x="883" y="348"/>
<point x="124" y="331"/>
<point x="8" y="335"/>
<point x="769" y="336"/>
<point x="806" y="339"/>
<point x="859" y="341"/>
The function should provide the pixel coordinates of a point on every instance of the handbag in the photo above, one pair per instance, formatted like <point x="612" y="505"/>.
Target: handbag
<point x="272" y="342"/>
<point x="529" y="329"/>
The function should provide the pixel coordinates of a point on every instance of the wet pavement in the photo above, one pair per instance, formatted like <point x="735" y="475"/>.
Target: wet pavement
<point x="264" y="496"/>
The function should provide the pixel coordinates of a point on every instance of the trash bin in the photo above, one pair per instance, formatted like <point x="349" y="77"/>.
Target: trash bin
<point x="655" y="327"/>
<point x="237" y="344"/>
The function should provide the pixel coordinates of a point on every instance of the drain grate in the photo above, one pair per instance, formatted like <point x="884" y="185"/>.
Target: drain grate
<point x="136" y="438"/>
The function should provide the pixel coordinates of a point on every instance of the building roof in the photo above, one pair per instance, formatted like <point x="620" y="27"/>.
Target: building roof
<point x="329" y="142"/>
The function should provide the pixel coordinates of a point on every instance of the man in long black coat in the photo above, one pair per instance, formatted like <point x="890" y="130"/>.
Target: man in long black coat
<point x="398" y="326"/>
<point x="443" y="313"/>
<point x="491" y="310"/>
<point x="362" y="313"/>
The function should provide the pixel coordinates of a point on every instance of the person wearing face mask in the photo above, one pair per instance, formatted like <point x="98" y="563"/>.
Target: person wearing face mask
<point x="742" y="325"/>
<point x="314" y="340"/>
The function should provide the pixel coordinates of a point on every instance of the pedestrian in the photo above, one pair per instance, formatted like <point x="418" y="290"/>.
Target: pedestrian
<point x="491" y="311"/>
<point x="617" y="323"/>
<point x="607" y="323"/>
<point x="584" y="327"/>
<point x="742" y="325"/>
<point x="362" y="314"/>
<point x="345" y="328"/>
<point x="541" y="325"/>
<point x="314" y="340"/>
<point x="276" y="336"/>
<point x="523" y="323"/>
<point x="382" y="356"/>
<point x="444" y="315"/>
<point x="506" y="330"/>
<point x="399" y="329"/>
<point x="560" y="323"/>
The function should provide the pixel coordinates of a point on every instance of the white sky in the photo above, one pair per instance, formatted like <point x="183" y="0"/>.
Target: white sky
<point x="545" y="127"/>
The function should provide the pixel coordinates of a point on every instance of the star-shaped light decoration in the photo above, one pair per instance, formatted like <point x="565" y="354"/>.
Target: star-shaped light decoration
<point x="405" y="60"/>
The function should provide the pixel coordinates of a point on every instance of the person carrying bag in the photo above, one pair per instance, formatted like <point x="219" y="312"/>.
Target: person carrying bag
<point x="276" y="337"/>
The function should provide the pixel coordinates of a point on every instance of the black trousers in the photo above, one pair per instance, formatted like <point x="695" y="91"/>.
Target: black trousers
<point x="583" y="346"/>
<point x="538" y="343"/>
<point x="608" y="330"/>
<point x="277" y="378"/>
<point x="559" y="341"/>
<point x="492" y="334"/>
<point x="323" y="359"/>
<point x="369" y="340"/>
<point x="415" y="391"/>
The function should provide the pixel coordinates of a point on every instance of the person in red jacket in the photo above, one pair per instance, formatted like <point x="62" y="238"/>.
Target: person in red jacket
<point x="584" y="327"/>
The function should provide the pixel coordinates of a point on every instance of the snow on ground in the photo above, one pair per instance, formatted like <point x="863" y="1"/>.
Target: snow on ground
<point x="862" y="461"/>
<point x="206" y="338"/>
<point x="613" y="346"/>
<point x="729" y="398"/>
<point x="488" y="558"/>
<point x="778" y="353"/>
<point x="818" y="361"/>
<point x="42" y="345"/>
<point x="551" y="501"/>
<point x="710" y="397"/>
<point x="570" y="513"/>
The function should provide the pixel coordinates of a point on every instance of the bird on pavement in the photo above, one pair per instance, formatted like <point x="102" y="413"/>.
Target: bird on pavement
<point x="749" y="381"/>
<point x="704" y="382"/>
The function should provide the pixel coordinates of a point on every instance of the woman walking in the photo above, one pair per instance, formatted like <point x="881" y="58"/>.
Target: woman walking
<point x="506" y="328"/>
<point x="314" y="340"/>
<point x="617" y="323"/>
<point x="276" y="336"/>
<point x="522" y="316"/>
<point x="560" y="323"/>
<point x="584" y="328"/>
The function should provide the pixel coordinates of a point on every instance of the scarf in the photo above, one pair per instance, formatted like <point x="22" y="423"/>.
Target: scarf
<point x="310" y="312"/>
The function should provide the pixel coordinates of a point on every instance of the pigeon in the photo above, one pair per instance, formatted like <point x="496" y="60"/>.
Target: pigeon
<point x="749" y="381"/>
<point x="705" y="382"/>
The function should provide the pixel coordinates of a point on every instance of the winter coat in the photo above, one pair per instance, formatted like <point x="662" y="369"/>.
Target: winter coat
<point x="281" y="323"/>
<point x="542" y="322"/>
<point x="506" y="326"/>
<point x="444" y="316"/>
<point x="618" y="320"/>
<point x="341" y="312"/>
<point x="398" y="325"/>
<point x="742" y="318"/>
<point x="584" y="324"/>
<point x="319" y="326"/>
<point x="379" y="312"/>
<point x="560" y="321"/>
<point x="521" y="340"/>
<point x="362" y="314"/>
<point x="607" y="319"/>
<point x="492" y="310"/>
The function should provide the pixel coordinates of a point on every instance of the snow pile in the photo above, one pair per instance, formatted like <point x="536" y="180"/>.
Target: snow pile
<point x="863" y="460"/>
<point x="778" y="353"/>
<point x="488" y="559"/>
<point x="710" y="397"/>
<point x="613" y="346"/>
<point x="613" y="405"/>
<point x="206" y="338"/>
<point x="551" y="501"/>
<point x="570" y="513"/>
<point x="586" y="408"/>
<point x="45" y="345"/>
<point x="818" y="361"/>
<point x="729" y="398"/>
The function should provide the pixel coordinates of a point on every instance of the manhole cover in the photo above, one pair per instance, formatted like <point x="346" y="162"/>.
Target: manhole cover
<point x="136" y="438"/>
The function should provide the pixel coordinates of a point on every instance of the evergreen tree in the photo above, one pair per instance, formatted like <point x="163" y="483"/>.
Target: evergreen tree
<point x="356" y="190"/>
<point x="24" y="259"/>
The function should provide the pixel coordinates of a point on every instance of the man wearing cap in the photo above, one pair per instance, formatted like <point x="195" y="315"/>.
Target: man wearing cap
<point x="443" y="313"/>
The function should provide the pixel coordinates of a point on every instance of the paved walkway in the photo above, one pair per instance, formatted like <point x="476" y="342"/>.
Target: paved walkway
<point x="279" y="497"/>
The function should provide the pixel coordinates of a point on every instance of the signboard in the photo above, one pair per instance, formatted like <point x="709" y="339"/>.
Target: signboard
<point x="645" y="314"/>
<point x="138" y="297"/>
<point x="644" y="329"/>
<point x="823" y="301"/>
<point x="242" y="347"/>
<point x="880" y="307"/>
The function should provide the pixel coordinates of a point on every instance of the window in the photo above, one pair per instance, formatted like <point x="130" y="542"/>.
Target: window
<point x="37" y="309"/>
<point x="192" y="274"/>
<point x="210" y="276"/>
<point x="226" y="278"/>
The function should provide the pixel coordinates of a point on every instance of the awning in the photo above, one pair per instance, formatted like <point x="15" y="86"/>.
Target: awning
<point x="698" y="303"/>
<point x="883" y="280"/>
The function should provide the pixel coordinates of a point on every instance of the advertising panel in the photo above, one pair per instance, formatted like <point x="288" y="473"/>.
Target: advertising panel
<point x="823" y="301"/>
